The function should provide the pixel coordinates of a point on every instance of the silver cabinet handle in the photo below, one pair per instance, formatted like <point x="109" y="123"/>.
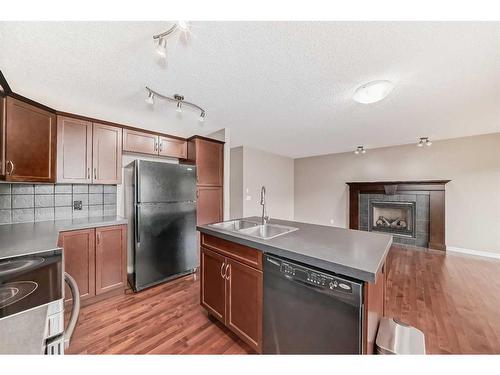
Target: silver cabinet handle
<point x="95" y="173"/>
<point x="156" y="146"/>
<point x="223" y="275"/>
<point x="11" y="171"/>
<point x="98" y="238"/>
<point x="228" y="268"/>
<point x="88" y="173"/>
<point x="161" y="146"/>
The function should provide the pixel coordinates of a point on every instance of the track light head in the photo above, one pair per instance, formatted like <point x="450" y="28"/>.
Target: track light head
<point x="360" y="150"/>
<point x="202" y="116"/>
<point x="424" y="141"/>
<point x="179" y="107"/>
<point x="151" y="98"/>
<point x="183" y="25"/>
<point x="161" y="47"/>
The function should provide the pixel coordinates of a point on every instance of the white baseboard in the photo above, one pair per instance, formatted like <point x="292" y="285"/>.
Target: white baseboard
<point x="486" y="254"/>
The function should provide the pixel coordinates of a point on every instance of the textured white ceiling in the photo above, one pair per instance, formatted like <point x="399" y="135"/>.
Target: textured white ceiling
<point x="285" y="87"/>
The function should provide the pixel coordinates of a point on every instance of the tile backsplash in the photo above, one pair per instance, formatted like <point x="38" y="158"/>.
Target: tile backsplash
<point x="27" y="202"/>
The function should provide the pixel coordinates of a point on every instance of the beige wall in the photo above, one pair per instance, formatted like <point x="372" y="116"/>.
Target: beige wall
<point x="250" y="170"/>
<point x="236" y="183"/>
<point x="472" y="197"/>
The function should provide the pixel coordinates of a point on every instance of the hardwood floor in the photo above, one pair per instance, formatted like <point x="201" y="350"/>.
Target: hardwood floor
<point x="453" y="299"/>
<point x="166" y="319"/>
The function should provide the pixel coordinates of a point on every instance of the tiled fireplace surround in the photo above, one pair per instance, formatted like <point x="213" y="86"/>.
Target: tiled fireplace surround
<point x="421" y="215"/>
<point x="40" y="202"/>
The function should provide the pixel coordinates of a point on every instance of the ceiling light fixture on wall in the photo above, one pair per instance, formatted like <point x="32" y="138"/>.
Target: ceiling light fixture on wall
<point x="161" y="47"/>
<point x="372" y="92"/>
<point x="424" y="141"/>
<point x="360" y="150"/>
<point x="176" y="98"/>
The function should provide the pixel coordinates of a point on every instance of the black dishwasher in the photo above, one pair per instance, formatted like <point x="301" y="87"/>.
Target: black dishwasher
<point x="309" y="311"/>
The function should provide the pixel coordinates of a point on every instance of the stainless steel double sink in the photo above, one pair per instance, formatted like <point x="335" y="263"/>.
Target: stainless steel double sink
<point x="252" y="229"/>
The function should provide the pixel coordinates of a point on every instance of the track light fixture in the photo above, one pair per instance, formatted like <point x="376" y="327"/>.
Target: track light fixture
<point x="424" y="141"/>
<point x="161" y="47"/>
<point x="151" y="98"/>
<point x="360" y="150"/>
<point x="176" y="98"/>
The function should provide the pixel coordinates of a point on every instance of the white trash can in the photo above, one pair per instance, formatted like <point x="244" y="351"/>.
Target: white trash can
<point x="395" y="337"/>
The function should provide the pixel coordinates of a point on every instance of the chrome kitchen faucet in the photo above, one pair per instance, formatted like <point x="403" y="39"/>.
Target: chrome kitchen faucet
<point x="265" y="218"/>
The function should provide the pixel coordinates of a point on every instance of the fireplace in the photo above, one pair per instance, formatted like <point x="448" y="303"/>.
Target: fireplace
<point x="414" y="211"/>
<point x="397" y="218"/>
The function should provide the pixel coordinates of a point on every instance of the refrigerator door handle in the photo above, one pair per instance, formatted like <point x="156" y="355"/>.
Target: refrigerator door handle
<point x="138" y="224"/>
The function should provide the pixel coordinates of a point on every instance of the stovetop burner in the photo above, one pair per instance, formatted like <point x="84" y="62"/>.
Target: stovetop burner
<point x="15" y="265"/>
<point x="13" y="292"/>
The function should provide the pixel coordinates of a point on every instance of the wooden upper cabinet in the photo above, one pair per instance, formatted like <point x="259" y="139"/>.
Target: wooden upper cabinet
<point x="106" y="154"/>
<point x="244" y="302"/>
<point x="144" y="143"/>
<point x="209" y="162"/>
<point x="3" y="103"/>
<point x="213" y="283"/>
<point x="209" y="206"/>
<point x="29" y="142"/>
<point x="74" y="150"/>
<point x="172" y="147"/>
<point x="79" y="260"/>
<point x="111" y="261"/>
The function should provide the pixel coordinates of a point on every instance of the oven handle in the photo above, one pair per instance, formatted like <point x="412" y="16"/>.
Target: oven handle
<point x="75" y="309"/>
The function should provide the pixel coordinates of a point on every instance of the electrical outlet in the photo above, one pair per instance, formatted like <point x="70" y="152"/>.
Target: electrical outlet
<point x="77" y="205"/>
<point x="248" y="197"/>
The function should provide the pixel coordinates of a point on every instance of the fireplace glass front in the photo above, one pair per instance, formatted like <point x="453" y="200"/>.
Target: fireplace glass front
<point x="397" y="218"/>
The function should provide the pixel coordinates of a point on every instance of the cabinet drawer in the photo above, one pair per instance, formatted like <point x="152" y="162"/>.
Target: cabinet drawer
<point x="244" y="254"/>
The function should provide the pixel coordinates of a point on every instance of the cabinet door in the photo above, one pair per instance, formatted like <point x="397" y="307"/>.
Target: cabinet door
<point x="209" y="207"/>
<point x="111" y="249"/>
<point x="175" y="148"/>
<point x="30" y="143"/>
<point x="144" y="143"/>
<point x="3" y="112"/>
<point x="79" y="260"/>
<point x="107" y="154"/>
<point x="213" y="284"/>
<point x="244" y="302"/>
<point x="74" y="150"/>
<point x="209" y="162"/>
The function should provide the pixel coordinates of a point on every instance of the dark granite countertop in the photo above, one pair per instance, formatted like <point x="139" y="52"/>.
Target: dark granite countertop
<point x="28" y="238"/>
<point x="353" y="253"/>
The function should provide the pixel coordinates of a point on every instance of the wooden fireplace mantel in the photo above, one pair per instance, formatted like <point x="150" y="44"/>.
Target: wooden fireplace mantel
<point x="434" y="188"/>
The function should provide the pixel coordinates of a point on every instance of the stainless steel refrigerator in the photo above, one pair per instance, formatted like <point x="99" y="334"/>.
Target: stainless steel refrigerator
<point x="161" y="208"/>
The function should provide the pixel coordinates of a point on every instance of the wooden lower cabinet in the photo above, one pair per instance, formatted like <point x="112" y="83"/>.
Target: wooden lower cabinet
<point x="110" y="259"/>
<point x="96" y="259"/>
<point x="244" y="302"/>
<point x="232" y="291"/>
<point x="79" y="260"/>
<point x="213" y="284"/>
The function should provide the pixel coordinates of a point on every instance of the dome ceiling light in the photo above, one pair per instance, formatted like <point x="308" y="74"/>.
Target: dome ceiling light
<point x="161" y="46"/>
<point x="176" y="98"/>
<point x="373" y="92"/>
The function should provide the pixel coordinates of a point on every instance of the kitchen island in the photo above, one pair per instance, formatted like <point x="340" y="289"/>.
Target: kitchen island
<point x="233" y="275"/>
